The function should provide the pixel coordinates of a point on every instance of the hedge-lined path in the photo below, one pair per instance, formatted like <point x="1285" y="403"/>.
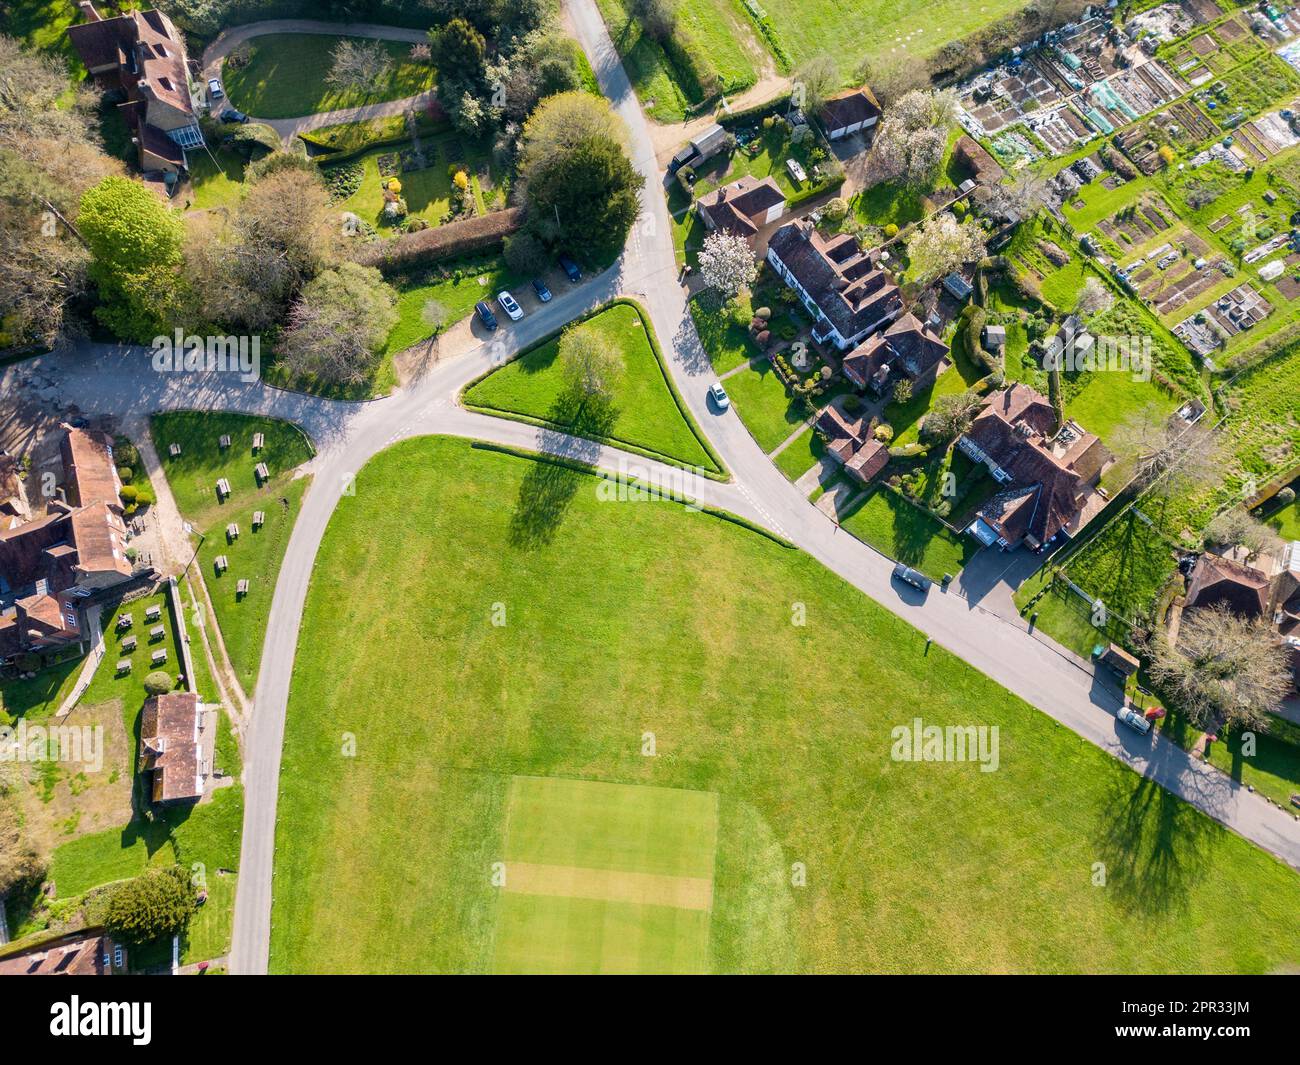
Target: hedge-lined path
<point x="228" y="40"/>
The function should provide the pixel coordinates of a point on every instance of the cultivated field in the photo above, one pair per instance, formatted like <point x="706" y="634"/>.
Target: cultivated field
<point x="484" y="634"/>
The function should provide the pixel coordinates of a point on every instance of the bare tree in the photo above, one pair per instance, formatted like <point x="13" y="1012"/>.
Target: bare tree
<point x="338" y="324"/>
<point x="358" y="64"/>
<point x="815" y="80"/>
<point x="1169" y="451"/>
<point x="1023" y="195"/>
<point x="588" y="362"/>
<point x="1225" y="670"/>
<point x="1237" y="528"/>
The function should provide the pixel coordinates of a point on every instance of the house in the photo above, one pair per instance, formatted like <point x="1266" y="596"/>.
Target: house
<point x="847" y="294"/>
<point x="172" y="748"/>
<point x="81" y="954"/>
<point x="743" y="207"/>
<point x="906" y="350"/>
<point x="140" y="55"/>
<point x="77" y="548"/>
<point x="1050" y="475"/>
<point x="850" y="443"/>
<point x="994" y="338"/>
<point x="848" y="113"/>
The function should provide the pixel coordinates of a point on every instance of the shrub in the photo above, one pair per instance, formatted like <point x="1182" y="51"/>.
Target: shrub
<point x="891" y="231"/>
<point x="125" y="474"/>
<point x="763" y="312"/>
<point x="852" y="403"/>
<point x="1286" y="496"/>
<point x="128" y="493"/>
<point x="156" y="903"/>
<point x="884" y="432"/>
<point x="158" y="683"/>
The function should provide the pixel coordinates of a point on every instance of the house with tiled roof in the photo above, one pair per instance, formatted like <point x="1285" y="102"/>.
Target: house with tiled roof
<point x="1049" y="475"/>
<point x="50" y="564"/>
<point x="140" y="56"/>
<point x="850" y="443"/>
<point x="849" y="112"/>
<point x="743" y="207"/>
<point x="175" y="748"/>
<point x="81" y="954"/>
<point x="845" y="291"/>
<point x="906" y="351"/>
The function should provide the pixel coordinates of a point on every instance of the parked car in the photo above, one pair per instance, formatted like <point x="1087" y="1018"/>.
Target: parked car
<point x="231" y="115"/>
<point x="510" y="305"/>
<point x="719" y="396"/>
<point x="570" y="269"/>
<point x="484" y="311"/>
<point x="1134" y="720"/>
<point x="214" y="89"/>
<point x="543" y="293"/>
<point x="915" y="578"/>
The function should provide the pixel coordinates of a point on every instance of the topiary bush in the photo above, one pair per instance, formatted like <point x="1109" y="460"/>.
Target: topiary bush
<point x="158" y="683"/>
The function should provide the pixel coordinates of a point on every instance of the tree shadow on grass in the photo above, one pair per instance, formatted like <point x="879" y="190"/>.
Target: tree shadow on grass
<point x="1154" y="845"/>
<point x="568" y="457"/>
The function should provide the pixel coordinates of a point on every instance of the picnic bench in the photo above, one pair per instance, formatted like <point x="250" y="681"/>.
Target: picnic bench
<point x="174" y="450"/>
<point x="125" y="621"/>
<point x="241" y="589"/>
<point x="223" y="488"/>
<point x="258" y="441"/>
<point x="157" y="633"/>
<point x="259" y="519"/>
<point x="153" y="613"/>
<point x="128" y="644"/>
<point x="232" y="531"/>
<point x="261" y="472"/>
<point x="159" y="656"/>
<point x="224" y="442"/>
<point x="221" y="563"/>
<point x="123" y="666"/>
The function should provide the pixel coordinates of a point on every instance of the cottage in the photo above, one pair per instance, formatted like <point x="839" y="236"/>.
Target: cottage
<point x="850" y="112"/>
<point x="850" y="443"/>
<point x="844" y="290"/>
<point x="172" y="748"/>
<point x="743" y="207"/>
<point x="1050" y="475"/>
<point x="906" y="351"/>
<point x="141" y="56"/>
<point x="79" y="954"/>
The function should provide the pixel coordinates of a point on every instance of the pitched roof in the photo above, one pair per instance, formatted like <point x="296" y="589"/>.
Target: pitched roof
<point x="907" y="346"/>
<point x="100" y="537"/>
<point x="868" y="460"/>
<point x="852" y="106"/>
<point x="81" y="956"/>
<point x="1216" y="579"/>
<point x="170" y="748"/>
<point x="742" y="205"/>
<point x="847" y="286"/>
<point x="88" y="464"/>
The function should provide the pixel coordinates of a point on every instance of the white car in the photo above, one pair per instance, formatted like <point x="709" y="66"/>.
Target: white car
<point x="214" y="89"/>
<point x="1134" y="720"/>
<point x="510" y="305"/>
<point x="719" y="395"/>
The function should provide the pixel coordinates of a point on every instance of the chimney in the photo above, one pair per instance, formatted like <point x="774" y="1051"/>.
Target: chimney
<point x="88" y="10"/>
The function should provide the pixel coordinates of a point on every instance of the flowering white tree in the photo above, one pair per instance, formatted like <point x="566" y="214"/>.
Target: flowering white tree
<point x="910" y="143"/>
<point x="942" y="244"/>
<point x="358" y="64"/>
<point x="1095" y="298"/>
<point x="727" y="263"/>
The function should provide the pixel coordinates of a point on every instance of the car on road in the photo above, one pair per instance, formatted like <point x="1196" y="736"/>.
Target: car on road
<point x="719" y="396"/>
<point x="543" y="293"/>
<point x="231" y="115"/>
<point x="1134" y="720"/>
<point x="484" y="311"/>
<point x="915" y="578"/>
<point x="510" y="305"/>
<point x="570" y="269"/>
<point x="214" y="89"/>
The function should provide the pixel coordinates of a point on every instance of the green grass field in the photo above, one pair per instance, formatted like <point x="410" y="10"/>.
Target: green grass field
<point x="515" y="655"/>
<point x="285" y="77"/>
<point x="768" y="410"/>
<point x="605" y="878"/>
<point x="643" y="412"/>
<point x="908" y="534"/>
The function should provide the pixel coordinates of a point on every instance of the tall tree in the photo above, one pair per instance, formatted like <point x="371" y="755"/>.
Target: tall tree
<point x="727" y="263"/>
<point x="585" y="198"/>
<point x="156" y="903"/>
<point x="942" y="244"/>
<point x="816" y="79"/>
<point x="459" y="53"/>
<point x="339" y="324"/>
<point x="1170" y="452"/>
<point x="135" y="245"/>
<point x="588" y="362"/>
<point x="910" y="142"/>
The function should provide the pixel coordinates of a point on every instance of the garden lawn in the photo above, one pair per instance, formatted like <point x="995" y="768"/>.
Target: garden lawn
<point x="218" y="184"/>
<point x="653" y="76"/>
<point x="129" y="687"/>
<point x="285" y="77"/>
<point x="193" y="475"/>
<point x="254" y="556"/>
<point x="727" y="343"/>
<point x="1128" y="562"/>
<point x="39" y="696"/>
<point x="768" y="410"/>
<point x="612" y="643"/>
<point x="804" y="452"/>
<point x="1286" y="522"/>
<point x="643" y="412"/>
<point x="906" y="533"/>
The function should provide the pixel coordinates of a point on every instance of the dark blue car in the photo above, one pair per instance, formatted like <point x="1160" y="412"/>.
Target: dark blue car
<point x="485" y="315"/>
<point x="570" y="268"/>
<point x="543" y="293"/>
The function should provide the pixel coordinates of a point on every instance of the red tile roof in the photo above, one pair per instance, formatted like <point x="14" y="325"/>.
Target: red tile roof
<point x="170" y="747"/>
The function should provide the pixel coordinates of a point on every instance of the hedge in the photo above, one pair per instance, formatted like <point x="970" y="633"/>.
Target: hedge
<point x="441" y="242"/>
<point x="347" y="140"/>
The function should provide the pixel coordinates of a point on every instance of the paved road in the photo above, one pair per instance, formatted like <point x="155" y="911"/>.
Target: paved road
<point x="229" y="40"/>
<point x="120" y="381"/>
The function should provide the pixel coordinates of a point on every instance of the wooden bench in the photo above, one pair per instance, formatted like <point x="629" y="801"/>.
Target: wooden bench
<point x="224" y="442"/>
<point x="125" y="621"/>
<point x="159" y="656"/>
<point x="123" y="666"/>
<point x="258" y="441"/>
<point x="157" y="633"/>
<point x="174" y="450"/>
<point x="221" y="563"/>
<point x="153" y="613"/>
<point x="261" y="473"/>
<point x="128" y="644"/>
<point x="259" y="519"/>
<point x="223" y="488"/>
<point x="232" y="531"/>
<point x="241" y="589"/>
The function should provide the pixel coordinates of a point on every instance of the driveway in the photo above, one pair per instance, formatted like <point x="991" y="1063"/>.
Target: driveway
<point x="991" y="578"/>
